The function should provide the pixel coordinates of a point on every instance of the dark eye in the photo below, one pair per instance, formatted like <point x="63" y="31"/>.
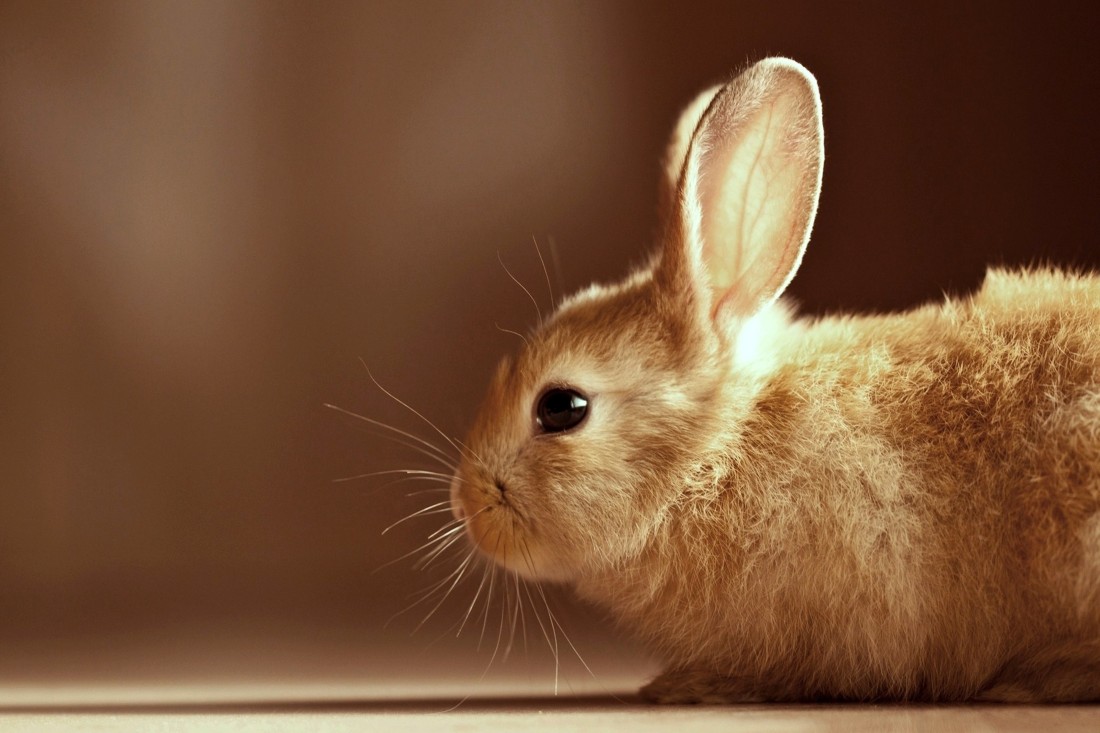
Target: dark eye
<point x="560" y="409"/>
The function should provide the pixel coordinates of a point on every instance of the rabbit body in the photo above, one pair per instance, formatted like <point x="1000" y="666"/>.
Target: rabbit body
<point x="908" y="507"/>
<point x="886" y="507"/>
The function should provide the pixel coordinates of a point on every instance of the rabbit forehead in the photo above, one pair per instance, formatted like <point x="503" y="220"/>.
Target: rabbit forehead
<point x="613" y="336"/>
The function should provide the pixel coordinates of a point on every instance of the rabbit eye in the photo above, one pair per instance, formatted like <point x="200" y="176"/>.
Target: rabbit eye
<point x="560" y="409"/>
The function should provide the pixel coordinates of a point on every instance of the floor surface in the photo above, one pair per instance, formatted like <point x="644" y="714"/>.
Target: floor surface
<point x="500" y="706"/>
<point x="330" y="677"/>
<point x="561" y="714"/>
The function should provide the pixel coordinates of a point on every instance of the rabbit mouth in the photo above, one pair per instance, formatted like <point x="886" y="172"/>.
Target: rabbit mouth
<point x="491" y="522"/>
<point x="492" y="530"/>
<point x="498" y="529"/>
<point x="499" y="533"/>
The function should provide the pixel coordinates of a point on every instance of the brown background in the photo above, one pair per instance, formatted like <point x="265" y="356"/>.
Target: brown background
<point x="211" y="211"/>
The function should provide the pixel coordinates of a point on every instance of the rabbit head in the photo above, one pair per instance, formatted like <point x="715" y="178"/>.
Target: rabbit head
<point x="582" y="443"/>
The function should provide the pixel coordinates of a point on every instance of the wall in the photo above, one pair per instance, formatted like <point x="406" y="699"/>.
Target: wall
<point x="213" y="211"/>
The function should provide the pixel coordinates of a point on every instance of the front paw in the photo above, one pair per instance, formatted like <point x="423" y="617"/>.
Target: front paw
<point x="684" y="686"/>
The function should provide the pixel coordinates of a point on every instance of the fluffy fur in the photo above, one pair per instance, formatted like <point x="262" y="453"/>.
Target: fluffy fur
<point x="890" y="507"/>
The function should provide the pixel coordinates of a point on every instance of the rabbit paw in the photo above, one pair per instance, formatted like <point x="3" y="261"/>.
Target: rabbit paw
<point x="680" y="686"/>
<point x="1007" y="692"/>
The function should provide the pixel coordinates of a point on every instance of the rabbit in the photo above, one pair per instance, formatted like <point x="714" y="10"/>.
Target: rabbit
<point x="886" y="507"/>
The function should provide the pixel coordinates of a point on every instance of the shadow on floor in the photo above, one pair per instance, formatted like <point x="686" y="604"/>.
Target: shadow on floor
<point x="501" y="704"/>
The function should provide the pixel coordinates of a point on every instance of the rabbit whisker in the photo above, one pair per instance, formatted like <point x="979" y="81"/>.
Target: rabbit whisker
<point x="519" y="598"/>
<point x="534" y="608"/>
<point x="445" y="462"/>
<point x="534" y="302"/>
<point x="514" y="333"/>
<point x="438" y="456"/>
<point x="555" y="624"/>
<point x="442" y="457"/>
<point x="408" y="407"/>
<point x="426" y="511"/>
<point x="429" y="560"/>
<point x="488" y="597"/>
<point x="508" y="614"/>
<point x="406" y="471"/>
<point x="430" y="479"/>
<point x="451" y="523"/>
<point x="407" y="479"/>
<point x="424" y="595"/>
<point x="458" y="575"/>
<point x="518" y="611"/>
<point x="421" y="492"/>
<point x="410" y="553"/>
<point x="549" y="288"/>
<point x="452" y="530"/>
<point x="555" y="261"/>
<point x="473" y="603"/>
<point x="443" y="540"/>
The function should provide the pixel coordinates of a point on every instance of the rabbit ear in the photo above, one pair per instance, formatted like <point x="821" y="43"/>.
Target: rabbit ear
<point x="748" y="191"/>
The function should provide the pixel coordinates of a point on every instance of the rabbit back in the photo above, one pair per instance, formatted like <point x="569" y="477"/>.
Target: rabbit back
<point x="909" y="507"/>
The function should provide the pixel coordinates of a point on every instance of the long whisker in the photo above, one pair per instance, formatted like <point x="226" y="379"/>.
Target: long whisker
<point x="432" y="509"/>
<point x="522" y="286"/>
<point x="489" y="665"/>
<point x="545" y="634"/>
<point x="554" y="633"/>
<point x="552" y="644"/>
<point x="522" y="618"/>
<point x="554" y="624"/>
<point x="452" y="530"/>
<point x="446" y="458"/>
<point x="430" y="480"/>
<point x="505" y="608"/>
<point x="408" y="407"/>
<point x="446" y="528"/>
<point x="424" y="595"/>
<point x="489" y="597"/>
<point x="485" y="574"/>
<point x="477" y="594"/>
<point x="554" y="260"/>
<point x="406" y="479"/>
<point x="409" y="479"/>
<point x="519" y="598"/>
<point x="421" y="492"/>
<point x="460" y="572"/>
<point x="563" y="633"/>
<point x="514" y="333"/>
<point x="432" y="557"/>
<point x="437" y="457"/>
<point x="403" y="471"/>
<point x="549" y="288"/>
<point x="470" y="451"/>
<point x="410" y="553"/>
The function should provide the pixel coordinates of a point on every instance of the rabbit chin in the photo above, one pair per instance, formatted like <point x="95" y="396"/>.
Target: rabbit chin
<point x="509" y="549"/>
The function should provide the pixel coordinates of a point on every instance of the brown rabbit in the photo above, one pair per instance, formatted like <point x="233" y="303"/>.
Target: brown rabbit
<point x="888" y="507"/>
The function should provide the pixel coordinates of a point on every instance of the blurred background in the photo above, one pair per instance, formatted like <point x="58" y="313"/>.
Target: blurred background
<point x="211" y="211"/>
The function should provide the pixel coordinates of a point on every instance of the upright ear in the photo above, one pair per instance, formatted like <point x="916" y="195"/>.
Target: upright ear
<point x="748" y="189"/>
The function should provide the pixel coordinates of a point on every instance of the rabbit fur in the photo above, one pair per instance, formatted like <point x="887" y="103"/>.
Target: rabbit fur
<point x="901" y="506"/>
